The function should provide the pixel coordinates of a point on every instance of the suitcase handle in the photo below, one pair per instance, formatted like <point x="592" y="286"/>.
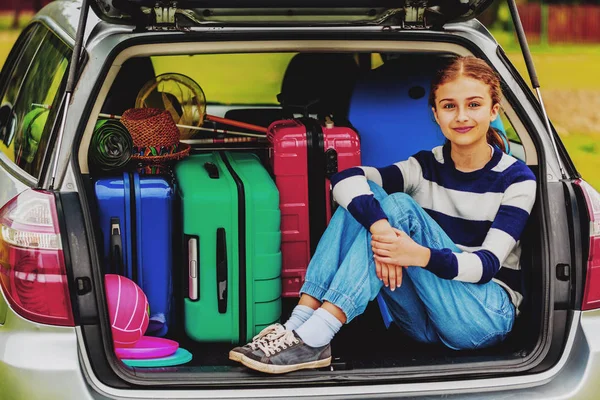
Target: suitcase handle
<point x="221" y="271"/>
<point x="213" y="171"/>
<point x="331" y="163"/>
<point x="116" y="247"/>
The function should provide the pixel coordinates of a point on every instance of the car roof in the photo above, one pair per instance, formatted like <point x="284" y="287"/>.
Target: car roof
<point x="62" y="16"/>
<point x="295" y="12"/>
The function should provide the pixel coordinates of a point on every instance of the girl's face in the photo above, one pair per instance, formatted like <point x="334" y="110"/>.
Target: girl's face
<point x="464" y="110"/>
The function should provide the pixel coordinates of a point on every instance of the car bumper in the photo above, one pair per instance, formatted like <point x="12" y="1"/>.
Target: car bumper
<point x="573" y="376"/>
<point x="43" y="363"/>
<point x="39" y="362"/>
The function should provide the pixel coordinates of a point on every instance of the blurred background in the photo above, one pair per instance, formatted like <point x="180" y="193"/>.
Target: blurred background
<point x="564" y="36"/>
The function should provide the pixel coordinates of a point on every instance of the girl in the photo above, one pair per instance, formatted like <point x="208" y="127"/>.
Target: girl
<point x="430" y="233"/>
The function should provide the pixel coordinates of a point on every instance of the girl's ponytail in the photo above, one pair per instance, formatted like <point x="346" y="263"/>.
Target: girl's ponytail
<point x="497" y="139"/>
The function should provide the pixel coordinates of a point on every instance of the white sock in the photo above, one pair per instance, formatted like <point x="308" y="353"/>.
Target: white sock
<point x="319" y="329"/>
<point x="300" y="315"/>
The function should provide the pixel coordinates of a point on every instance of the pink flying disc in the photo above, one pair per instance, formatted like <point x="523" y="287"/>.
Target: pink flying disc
<point x="148" y="347"/>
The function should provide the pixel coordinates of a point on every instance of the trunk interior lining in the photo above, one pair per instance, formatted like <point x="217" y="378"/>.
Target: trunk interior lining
<point x="365" y="344"/>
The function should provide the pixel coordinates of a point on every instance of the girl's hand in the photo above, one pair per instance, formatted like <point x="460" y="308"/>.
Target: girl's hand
<point x="400" y="250"/>
<point x="390" y="275"/>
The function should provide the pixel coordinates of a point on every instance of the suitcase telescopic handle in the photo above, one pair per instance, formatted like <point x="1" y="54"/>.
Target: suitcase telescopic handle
<point x="221" y="271"/>
<point x="116" y="247"/>
<point x="193" y="269"/>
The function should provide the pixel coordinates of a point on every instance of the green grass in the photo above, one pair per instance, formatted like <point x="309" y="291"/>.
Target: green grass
<point x="567" y="67"/>
<point x="559" y="66"/>
<point x="584" y="150"/>
<point x="8" y="36"/>
<point x="7" y="39"/>
<point x="6" y="19"/>
<point x="574" y="69"/>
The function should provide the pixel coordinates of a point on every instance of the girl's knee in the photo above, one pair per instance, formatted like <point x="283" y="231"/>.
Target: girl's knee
<point x="397" y="201"/>
<point x="401" y="197"/>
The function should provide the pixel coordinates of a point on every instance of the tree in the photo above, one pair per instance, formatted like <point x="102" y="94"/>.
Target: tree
<point x="490" y="15"/>
<point x="17" y="8"/>
<point x="37" y="5"/>
<point x="19" y="5"/>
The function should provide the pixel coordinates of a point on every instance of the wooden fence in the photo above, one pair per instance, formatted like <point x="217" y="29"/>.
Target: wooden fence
<point x="9" y="6"/>
<point x="561" y="23"/>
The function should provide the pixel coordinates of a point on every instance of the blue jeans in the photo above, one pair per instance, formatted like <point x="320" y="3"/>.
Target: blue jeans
<point x="429" y="309"/>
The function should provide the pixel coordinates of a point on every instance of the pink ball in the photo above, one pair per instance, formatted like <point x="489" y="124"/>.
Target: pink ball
<point x="127" y="309"/>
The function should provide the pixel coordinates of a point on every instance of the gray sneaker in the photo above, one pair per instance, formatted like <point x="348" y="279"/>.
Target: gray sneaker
<point x="271" y="331"/>
<point x="286" y="353"/>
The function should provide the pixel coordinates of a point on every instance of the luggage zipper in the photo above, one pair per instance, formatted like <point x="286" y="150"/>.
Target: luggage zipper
<point x="315" y="155"/>
<point x="133" y="229"/>
<point x="241" y="244"/>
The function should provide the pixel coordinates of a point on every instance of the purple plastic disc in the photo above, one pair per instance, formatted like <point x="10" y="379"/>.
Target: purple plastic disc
<point x="148" y="347"/>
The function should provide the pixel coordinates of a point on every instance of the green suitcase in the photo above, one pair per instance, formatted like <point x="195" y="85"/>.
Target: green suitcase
<point x="232" y="238"/>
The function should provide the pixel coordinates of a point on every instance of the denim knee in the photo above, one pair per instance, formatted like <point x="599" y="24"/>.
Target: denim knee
<point x="398" y="202"/>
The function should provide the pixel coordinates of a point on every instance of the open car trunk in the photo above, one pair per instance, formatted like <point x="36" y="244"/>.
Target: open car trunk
<point x="364" y="349"/>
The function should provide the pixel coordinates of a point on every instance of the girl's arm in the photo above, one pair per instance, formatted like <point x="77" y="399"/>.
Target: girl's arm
<point x="481" y="266"/>
<point x="351" y="189"/>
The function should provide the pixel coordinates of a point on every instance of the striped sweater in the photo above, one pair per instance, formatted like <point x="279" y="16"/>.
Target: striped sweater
<point x="483" y="212"/>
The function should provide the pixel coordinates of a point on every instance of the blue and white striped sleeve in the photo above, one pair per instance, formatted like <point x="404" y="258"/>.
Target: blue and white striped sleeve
<point x="351" y="189"/>
<point x="482" y="265"/>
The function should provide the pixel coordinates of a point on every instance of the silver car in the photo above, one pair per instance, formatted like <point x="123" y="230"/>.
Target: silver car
<point x="55" y="337"/>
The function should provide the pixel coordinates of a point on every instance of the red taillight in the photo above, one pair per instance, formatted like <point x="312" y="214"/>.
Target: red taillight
<point x="32" y="266"/>
<point x="591" y="294"/>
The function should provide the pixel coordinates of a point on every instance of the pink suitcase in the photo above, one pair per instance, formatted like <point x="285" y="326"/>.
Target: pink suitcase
<point x="304" y="155"/>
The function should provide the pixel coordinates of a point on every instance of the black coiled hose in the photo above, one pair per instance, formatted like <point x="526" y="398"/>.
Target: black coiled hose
<point x="111" y="146"/>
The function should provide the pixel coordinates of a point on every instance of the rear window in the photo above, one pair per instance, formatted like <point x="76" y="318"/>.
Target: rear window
<point x="31" y="98"/>
<point x="241" y="79"/>
<point x="247" y="81"/>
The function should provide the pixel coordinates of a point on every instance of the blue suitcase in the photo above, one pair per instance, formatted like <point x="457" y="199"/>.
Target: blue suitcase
<point x="136" y="220"/>
<point x="389" y="109"/>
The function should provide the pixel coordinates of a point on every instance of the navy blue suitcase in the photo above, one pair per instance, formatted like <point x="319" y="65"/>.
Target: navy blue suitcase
<point x="136" y="220"/>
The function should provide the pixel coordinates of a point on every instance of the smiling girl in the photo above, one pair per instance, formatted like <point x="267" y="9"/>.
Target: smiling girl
<point x="437" y="235"/>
